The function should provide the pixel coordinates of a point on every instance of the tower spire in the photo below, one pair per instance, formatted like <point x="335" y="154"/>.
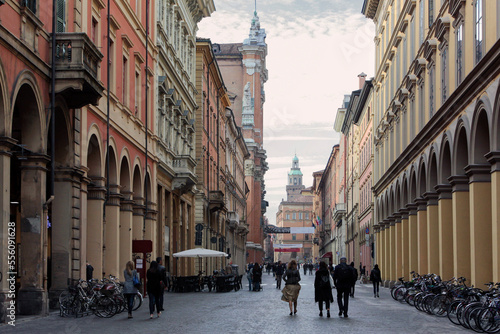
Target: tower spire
<point x="255" y="12"/>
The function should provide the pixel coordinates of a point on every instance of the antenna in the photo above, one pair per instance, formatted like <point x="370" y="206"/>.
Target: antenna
<point x="255" y="6"/>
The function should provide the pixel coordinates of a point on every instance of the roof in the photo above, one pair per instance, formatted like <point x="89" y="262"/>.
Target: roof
<point x="295" y="172"/>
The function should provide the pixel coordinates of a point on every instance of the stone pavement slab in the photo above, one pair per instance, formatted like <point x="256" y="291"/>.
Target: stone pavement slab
<point x="251" y="312"/>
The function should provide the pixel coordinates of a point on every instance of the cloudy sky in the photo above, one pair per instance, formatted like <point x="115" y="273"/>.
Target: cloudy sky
<point x="316" y="49"/>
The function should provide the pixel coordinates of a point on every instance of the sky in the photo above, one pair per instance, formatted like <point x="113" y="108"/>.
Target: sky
<point x="316" y="50"/>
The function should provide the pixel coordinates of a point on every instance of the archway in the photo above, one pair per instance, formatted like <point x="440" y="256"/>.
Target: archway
<point x="28" y="188"/>
<point x="112" y="216"/>
<point x="126" y="213"/>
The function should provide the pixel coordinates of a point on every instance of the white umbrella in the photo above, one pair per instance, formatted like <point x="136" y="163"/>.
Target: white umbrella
<point x="200" y="252"/>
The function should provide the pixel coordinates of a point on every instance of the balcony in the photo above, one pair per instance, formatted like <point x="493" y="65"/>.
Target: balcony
<point x="243" y="227"/>
<point x="184" y="177"/>
<point x="216" y="201"/>
<point x="233" y="219"/>
<point x="77" y="63"/>
<point x="339" y="211"/>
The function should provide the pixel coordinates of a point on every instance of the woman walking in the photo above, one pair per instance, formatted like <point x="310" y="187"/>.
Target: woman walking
<point x="292" y="286"/>
<point x="256" y="276"/>
<point x="376" y="279"/>
<point x="154" y="289"/>
<point x="129" y="290"/>
<point x="323" y="289"/>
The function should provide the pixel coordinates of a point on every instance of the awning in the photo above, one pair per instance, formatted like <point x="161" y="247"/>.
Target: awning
<point x="327" y="255"/>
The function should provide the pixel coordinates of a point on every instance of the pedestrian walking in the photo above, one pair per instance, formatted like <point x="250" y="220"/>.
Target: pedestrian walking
<point x="154" y="287"/>
<point x="129" y="290"/>
<point x="256" y="276"/>
<point x="290" y="292"/>
<point x="163" y="280"/>
<point x="376" y="278"/>
<point x="279" y="274"/>
<point x="249" y="276"/>
<point x="323" y="289"/>
<point x="343" y="278"/>
<point x="354" y="279"/>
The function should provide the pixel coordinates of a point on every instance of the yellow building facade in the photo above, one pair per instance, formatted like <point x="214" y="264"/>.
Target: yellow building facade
<point x="436" y="143"/>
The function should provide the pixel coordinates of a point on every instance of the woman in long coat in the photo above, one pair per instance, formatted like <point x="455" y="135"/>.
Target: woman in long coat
<point x="129" y="290"/>
<point x="323" y="289"/>
<point x="290" y="292"/>
<point x="154" y="289"/>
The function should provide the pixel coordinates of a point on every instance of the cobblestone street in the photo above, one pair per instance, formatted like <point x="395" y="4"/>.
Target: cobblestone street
<point x="251" y="312"/>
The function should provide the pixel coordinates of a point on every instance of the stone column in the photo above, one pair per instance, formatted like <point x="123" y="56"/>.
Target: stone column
<point x="423" y="264"/>
<point x="377" y="235"/>
<point x="494" y="159"/>
<point x="126" y="218"/>
<point x="112" y="264"/>
<point x="32" y="296"/>
<point x="138" y="219"/>
<point x="399" y="270"/>
<point x="432" y="232"/>
<point x="480" y="223"/>
<point x="151" y="230"/>
<point x="404" y="240"/>
<point x="95" y="206"/>
<point x="445" y="213"/>
<point x="461" y="226"/>
<point x="5" y="157"/>
<point x="386" y="271"/>
<point x="392" y="251"/>
<point x="413" y="236"/>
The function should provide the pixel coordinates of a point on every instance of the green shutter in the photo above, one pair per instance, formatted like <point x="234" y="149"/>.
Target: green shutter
<point x="61" y="16"/>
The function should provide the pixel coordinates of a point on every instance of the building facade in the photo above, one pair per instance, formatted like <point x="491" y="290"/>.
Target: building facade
<point x="177" y="110"/>
<point x="243" y="67"/>
<point x="211" y="209"/>
<point x="295" y="213"/>
<point x="436" y="118"/>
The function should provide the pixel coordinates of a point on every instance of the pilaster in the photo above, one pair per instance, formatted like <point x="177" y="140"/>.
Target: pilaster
<point x="405" y="239"/>
<point x="445" y="222"/>
<point x="423" y="263"/>
<point x="432" y="231"/>
<point x="413" y="236"/>
<point x="461" y="226"/>
<point x="494" y="160"/>
<point x="126" y="218"/>
<point x="480" y="223"/>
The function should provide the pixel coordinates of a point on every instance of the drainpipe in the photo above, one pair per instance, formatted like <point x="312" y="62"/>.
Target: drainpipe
<point x="146" y="122"/>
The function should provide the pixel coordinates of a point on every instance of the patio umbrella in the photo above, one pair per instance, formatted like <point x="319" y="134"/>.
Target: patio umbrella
<point x="199" y="253"/>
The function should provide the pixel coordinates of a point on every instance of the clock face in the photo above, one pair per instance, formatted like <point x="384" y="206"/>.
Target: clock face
<point x="199" y="227"/>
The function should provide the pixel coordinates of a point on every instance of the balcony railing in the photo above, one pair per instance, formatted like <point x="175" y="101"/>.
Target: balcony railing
<point x="77" y="64"/>
<point x="184" y="174"/>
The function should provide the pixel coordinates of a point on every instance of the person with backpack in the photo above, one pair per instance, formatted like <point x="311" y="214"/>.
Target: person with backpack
<point x="256" y="276"/>
<point x="323" y="289"/>
<point x="290" y="292"/>
<point x="280" y="269"/>
<point x="375" y="277"/>
<point x="343" y="277"/>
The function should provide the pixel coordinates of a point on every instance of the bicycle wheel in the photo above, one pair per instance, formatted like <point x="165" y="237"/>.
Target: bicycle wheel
<point x="452" y="311"/>
<point x="427" y="302"/>
<point x="400" y="294"/>
<point x="137" y="301"/>
<point x="105" y="307"/>
<point x="69" y="305"/>
<point x="463" y="313"/>
<point x="440" y="305"/>
<point x="472" y="320"/>
<point x="489" y="320"/>
<point x="410" y="298"/>
<point x="418" y="300"/>
<point x="393" y="290"/>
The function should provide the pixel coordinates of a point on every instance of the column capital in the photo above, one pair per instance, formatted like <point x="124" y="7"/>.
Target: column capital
<point x="6" y="143"/>
<point x="412" y="209"/>
<point x="494" y="160"/>
<point x="459" y="183"/>
<point x="478" y="173"/>
<point x="431" y="198"/>
<point x="443" y="191"/>
<point x="421" y="203"/>
<point x="397" y="217"/>
<point x="404" y="212"/>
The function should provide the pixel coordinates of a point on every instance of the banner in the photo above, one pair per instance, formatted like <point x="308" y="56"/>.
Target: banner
<point x="287" y="248"/>
<point x="276" y="229"/>
<point x="302" y="230"/>
<point x="294" y="230"/>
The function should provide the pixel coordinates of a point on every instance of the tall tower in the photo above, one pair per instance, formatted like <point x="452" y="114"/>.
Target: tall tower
<point x="294" y="185"/>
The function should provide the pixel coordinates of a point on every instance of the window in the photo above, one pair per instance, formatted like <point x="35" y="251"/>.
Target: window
<point x="478" y="29"/>
<point x="300" y="215"/>
<point x="421" y="107"/>
<point x="307" y="215"/>
<point x="94" y="30"/>
<point x="30" y="4"/>
<point x="290" y="180"/>
<point x="444" y="74"/>
<point x="61" y="16"/>
<point x="306" y="237"/>
<point x="125" y="82"/>
<point x="295" y="180"/>
<point x="287" y="216"/>
<point x="431" y="91"/>
<point x="421" y="22"/>
<point x="294" y="216"/>
<point x="111" y="65"/>
<point x="460" y="60"/>
<point x="137" y="92"/>
<point x="431" y="12"/>
<point x="294" y="236"/>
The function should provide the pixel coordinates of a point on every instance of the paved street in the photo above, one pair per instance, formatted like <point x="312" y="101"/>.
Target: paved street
<point x="252" y="312"/>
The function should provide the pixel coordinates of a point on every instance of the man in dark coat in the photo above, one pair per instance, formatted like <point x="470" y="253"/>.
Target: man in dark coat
<point x="280" y="269"/>
<point x="163" y="275"/>
<point x="354" y="279"/>
<point x="343" y="278"/>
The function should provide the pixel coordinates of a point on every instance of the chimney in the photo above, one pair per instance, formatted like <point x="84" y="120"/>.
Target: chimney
<point x="362" y="78"/>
